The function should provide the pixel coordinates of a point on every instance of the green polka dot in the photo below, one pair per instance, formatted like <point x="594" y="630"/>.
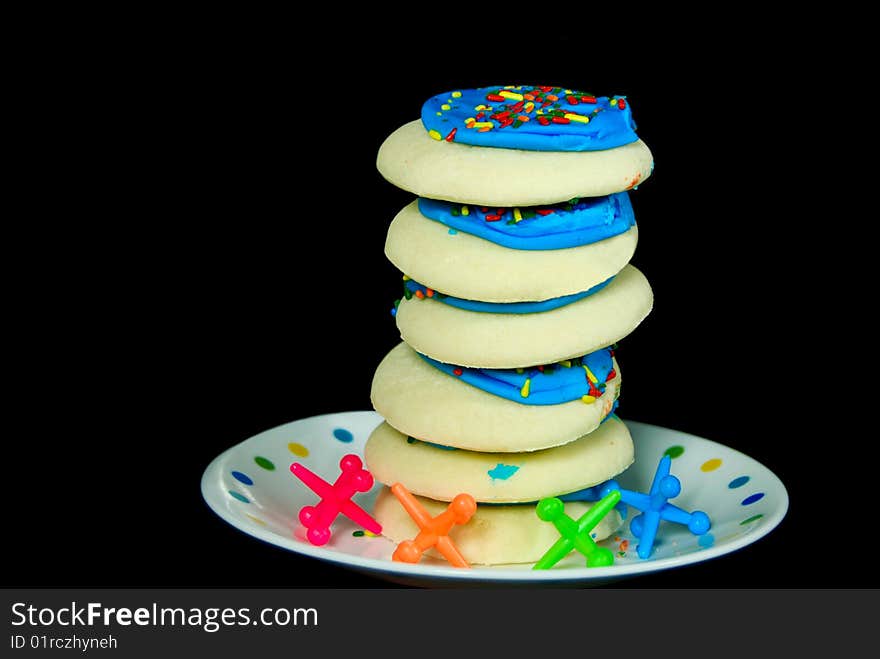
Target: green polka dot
<point x="753" y="518"/>
<point x="674" y="451"/>
<point x="358" y="534"/>
<point x="265" y="463"/>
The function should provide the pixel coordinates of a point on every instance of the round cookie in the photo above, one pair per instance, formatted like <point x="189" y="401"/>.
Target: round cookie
<point x="470" y="267"/>
<point x="440" y="473"/>
<point x="495" y="535"/>
<point x="410" y="159"/>
<point x="422" y="401"/>
<point x="507" y="340"/>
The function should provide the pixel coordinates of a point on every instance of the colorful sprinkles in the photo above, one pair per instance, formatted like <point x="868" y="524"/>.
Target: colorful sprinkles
<point x="539" y="117"/>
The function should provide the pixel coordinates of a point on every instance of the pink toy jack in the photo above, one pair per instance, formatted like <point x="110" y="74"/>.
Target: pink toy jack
<point x="335" y="499"/>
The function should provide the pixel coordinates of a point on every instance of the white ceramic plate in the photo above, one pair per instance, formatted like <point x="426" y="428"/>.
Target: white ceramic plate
<point x="251" y="487"/>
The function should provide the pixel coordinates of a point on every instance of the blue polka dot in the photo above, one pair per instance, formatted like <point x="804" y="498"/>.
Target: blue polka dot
<point x="240" y="497"/>
<point x="242" y="478"/>
<point x="343" y="435"/>
<point x="757" y="496"/>
<point x="706" y="540"/>
<point x="452" y="232"/>
<point x="738" y="482"/>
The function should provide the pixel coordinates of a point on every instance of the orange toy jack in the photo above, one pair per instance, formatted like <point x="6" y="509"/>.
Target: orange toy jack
<point x="434" y="530"/>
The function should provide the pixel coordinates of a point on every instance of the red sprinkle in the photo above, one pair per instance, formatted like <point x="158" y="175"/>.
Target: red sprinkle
<point x="541" y="368"/>
<point x="484" y="209"/>
<point x="493" y="218"/>
<point x="572" y="99"/>
<point x="544" y="121"/>
<point x="494" y="97"/>
<point x="429" y="292"/>
<point x="611" y="374"/>
<point x="480" y="115"/>
<point x="545" y="89"/>
<point x="545" y="104"/>
<point x="451" y="135"/>
<point x="457" y="371"/>
<point x="419" y="294"/>
<point x="561" y="120"/>
<point x="588" y="99"/>
<point x="516" y="107"/>
<point x="501" y="115"/>
<point x="544" y="211"/>
<point x="621" y="104"/>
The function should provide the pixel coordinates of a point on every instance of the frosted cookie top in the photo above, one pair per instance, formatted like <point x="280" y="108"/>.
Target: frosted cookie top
<point x="530" y="118"/>
<point x="569" y="224"/>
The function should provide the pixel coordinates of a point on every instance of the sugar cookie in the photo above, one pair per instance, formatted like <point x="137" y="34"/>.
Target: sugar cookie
<point x="440" y="472"/>
<point x="490" y="339"/>
<point x="424" y="402"/>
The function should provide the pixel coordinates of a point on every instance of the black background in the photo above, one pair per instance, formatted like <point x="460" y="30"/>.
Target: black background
<point x="176" y="299"/>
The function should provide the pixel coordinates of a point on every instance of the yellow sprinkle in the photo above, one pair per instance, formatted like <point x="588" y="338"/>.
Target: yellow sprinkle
<point x="406" y="278"/>
<point x="257" y="520"/>
<point x="509" y="87"/>
<point x="517" y="214"/>
<point x="613" y="101"/>
<point x="456" y="94"/>
<point x="435" y="135"/>
<point x="528" y="107"/>
<point x="568" y="91"/>
<point x="590" y="376"/>
<point x="566" y="363"/>
<point x="577" y="117"/>
<point x="524" y="392"/>
<point x="465" y="211"/>
<point x="480" y="124"/>
<point x="469" y="122"/>
<point x="370" y="534"/>
<point x="539" y="112"/>
<point x="439" y="114"/>
<point x="479" y="107"/>
<point x="588" y="399"/>
<point x="513" y="96"/>
<point x="446" y="106"/>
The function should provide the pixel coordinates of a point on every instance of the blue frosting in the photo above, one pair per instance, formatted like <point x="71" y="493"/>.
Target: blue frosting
<point x="569" y="224"/>
<point x="502" y="307"/>
<point x="531" y="118"/>
<point x="552" y="384"/>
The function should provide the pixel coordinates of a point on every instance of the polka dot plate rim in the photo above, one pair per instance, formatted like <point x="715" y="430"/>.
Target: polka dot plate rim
<point x="250" y="486"/>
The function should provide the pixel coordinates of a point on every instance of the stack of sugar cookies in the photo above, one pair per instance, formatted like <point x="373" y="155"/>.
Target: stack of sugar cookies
<point x="516" y="283"/>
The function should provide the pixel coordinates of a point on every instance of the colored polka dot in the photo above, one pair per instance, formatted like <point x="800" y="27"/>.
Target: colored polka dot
<point x="453" y="232"/>
<point x="240" y="497"/>
<point x="757" y="496"/>
<point x="343" y="435"/>
<point x="358" y="534"/>
<point x="298" y="449"/>
<point x="739" y="481"/>
<point x="242" y="478"/>
<point x="706" y="540"/>
<point x="265" y="463"/>
<point x="711" y="465"/>
<point x="257" y="520"/>
<point x="674" y="451"/>
<point x="751" y="519"/>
